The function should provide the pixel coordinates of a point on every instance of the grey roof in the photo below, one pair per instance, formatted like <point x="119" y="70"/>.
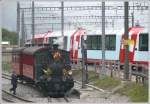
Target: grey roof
<point x="18" y="49"/>
<point x="32" y="50"/>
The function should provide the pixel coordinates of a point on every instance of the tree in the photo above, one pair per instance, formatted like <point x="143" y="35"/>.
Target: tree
<point x="9" y="36"/>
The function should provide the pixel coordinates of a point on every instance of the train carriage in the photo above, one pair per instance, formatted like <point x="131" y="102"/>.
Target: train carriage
<point x="114" y="49"/>
<point x="29" y="64"/>
<point x="17" y="60"/>
<point x="32" y="59"/>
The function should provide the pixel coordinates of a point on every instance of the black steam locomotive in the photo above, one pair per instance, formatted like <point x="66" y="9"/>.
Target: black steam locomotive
<point x="58" y="73"/>
<point x="49" y="68"/>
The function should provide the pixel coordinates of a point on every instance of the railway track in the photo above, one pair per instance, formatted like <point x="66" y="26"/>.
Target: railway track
<point x="64" y="99"/>
<point x="8" y="77"/>
<point x="77" y="87"/>
<point x="9" y="97"/>
<point x="12" y="98"/>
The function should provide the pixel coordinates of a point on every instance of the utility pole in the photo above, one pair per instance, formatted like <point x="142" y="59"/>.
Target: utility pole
<point x="132" y="14"/>
<point x="132" y="18"/>
<point x="84" y="62"/>
<point x="22" y="30"/>
<point x="62" y="24"/>
<point x="126" y="26"/>
<point x="18" y="23"/>
<point x="103" y="41"/>
<point x="33" y="28"/>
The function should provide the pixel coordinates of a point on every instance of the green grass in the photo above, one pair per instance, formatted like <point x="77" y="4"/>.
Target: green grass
<point x="78" y="74"/>
<point x="107" y="83"/>
<point x="136" y="92"/>
<point x="6" y="67"/>
<point x="92" y="76"/>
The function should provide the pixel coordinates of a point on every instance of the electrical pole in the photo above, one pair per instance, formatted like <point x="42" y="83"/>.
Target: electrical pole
<point x="22" y="30"/>
<point x="132" y="18"/>
<point x="126" y="26"/>
<point x="132" y="14"/>
<point x="18" y="23"/>
<point x="33" y="28"/>
<point x="103" y="40"/>
<point x="62" y="24"/>
<point x="84" y="63"/>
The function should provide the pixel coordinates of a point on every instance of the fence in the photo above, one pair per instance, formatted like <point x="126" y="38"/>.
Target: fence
<point x="6" y="59"/>
<point x="137" y="72"/>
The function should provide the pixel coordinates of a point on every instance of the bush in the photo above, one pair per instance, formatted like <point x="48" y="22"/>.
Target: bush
<point x="6" y="67"/>
<point x="9" y="36"/>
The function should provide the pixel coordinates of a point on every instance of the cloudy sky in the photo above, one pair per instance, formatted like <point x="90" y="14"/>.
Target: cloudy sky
<point x="9" y="12"/>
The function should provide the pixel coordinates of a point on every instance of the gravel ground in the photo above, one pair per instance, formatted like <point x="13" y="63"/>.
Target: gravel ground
<point x="87" y="95"/>
<point x="94" y="96"/>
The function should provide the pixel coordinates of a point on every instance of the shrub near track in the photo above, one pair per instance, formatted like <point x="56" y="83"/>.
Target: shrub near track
<point x="136" y="92"/>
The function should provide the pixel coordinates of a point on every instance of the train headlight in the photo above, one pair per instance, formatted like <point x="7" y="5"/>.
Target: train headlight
<point x="70" y="72"/>
<point x="65" y="72"/>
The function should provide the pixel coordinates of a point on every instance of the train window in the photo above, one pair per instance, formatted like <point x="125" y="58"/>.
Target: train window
<point x="110" y="42"/>
<point x="143" y="42"/>
<point x="41" y="58"/>
<point x="93" y="42"/>
<point x="51" y="40"/>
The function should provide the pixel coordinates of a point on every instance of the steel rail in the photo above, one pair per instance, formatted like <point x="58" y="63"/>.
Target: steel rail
<point x="8" y="100"/>
<point x="22" y="99"/>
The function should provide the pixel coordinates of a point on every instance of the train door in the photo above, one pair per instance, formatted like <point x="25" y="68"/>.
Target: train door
<point x="75" y="41"/>
<point x="133" y="32"/>
<point x="42" y="59"/>
<point x="141" y="53"/>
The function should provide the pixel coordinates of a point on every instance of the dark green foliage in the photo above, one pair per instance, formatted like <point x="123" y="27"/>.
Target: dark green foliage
<point x="9" y="36"/>
<point x="6" y="66"/>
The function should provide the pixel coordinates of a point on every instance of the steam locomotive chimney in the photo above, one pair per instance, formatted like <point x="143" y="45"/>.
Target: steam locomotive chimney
<point x="55" y="46"/>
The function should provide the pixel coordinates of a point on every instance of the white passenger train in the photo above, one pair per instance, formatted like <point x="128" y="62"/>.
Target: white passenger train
<point x="114" y="44"/>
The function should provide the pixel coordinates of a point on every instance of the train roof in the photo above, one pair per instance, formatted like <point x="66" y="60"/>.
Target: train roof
<point x="33" y="50"/>
<point x="55" y="34"/>
<point x="19" y="49"/>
